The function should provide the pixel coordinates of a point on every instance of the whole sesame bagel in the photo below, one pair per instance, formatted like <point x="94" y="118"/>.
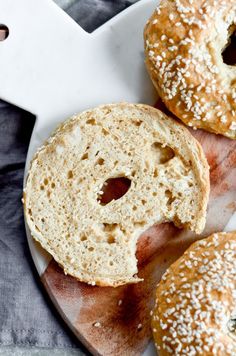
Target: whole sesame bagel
<point x="195" y="311"/>
<point x="184" y="42"/>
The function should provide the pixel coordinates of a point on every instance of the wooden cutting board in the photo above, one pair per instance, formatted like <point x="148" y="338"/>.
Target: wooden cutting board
<point x="57" y="69"/>
<point x="117" y="321"/>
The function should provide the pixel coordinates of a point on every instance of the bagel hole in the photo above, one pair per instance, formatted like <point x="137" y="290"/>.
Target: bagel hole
<point x="229" y="52"/>
<point x="232" y="325"/>
<point x="113" y="189"/>
<point x="162" y="154"/>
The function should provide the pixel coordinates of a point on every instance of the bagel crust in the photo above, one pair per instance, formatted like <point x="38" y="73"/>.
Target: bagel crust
<point x="95" y="240"/>
<point x="195" y="311"/>
<point x="184" y="41"/>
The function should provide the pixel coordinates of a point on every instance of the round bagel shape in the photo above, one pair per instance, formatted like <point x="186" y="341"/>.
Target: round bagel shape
<point x="93" y="238"/>
<point x="195" y="311"/>
<point x="184" y="42"/>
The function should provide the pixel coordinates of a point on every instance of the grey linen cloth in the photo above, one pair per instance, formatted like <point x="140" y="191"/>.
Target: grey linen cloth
<point x="27" y="317"/>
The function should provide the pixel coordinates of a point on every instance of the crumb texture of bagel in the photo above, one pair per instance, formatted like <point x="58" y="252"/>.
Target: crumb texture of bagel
<point x="195" y="311"/>
<point x="184" y="42"/>
<point x="95" y="241"/>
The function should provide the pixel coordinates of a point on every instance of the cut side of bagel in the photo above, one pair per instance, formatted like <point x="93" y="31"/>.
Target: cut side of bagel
<point x="159" y="168"/>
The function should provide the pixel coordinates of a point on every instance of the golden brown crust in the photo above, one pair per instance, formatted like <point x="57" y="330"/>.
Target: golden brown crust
<point x="183" y="44"/>
<point x="195" y="300"/>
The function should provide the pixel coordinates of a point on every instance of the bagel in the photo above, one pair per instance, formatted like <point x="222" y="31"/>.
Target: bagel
<point x="184" y="42"/>
<point x="195" y="311"/>
<point x="94" y="239"/>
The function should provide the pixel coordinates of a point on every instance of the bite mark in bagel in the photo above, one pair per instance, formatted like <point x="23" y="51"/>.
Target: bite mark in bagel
<point x="91" y="229"/>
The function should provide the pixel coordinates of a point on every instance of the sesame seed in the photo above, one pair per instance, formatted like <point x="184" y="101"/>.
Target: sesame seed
<point x="187" y="327"/>
<point x="233" y="125"/>
<point x="223" y="119"/>
<point x="174" y="71"/>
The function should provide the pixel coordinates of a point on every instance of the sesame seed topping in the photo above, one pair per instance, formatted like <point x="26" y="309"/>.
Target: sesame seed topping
<point x="223" y="119"/>
<point x="233" y="125"/>
<point x="175" y="69"/>
<point x="202" y="310"/>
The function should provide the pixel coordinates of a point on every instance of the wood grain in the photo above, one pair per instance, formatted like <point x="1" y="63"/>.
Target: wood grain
<point x="123" y="314"/>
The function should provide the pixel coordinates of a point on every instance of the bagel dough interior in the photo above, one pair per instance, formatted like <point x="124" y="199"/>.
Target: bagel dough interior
<point x="92" y="238"/>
